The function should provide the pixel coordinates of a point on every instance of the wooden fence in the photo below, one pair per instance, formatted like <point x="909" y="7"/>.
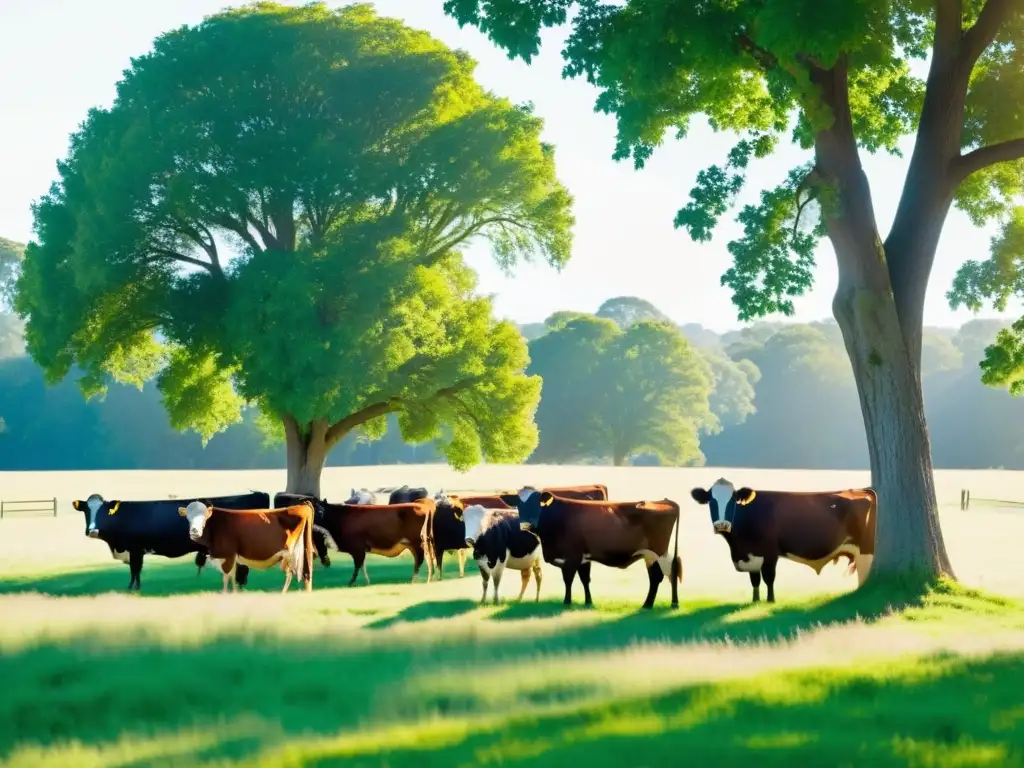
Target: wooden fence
<point x="966" y="499"/>
<point x="28" y="508"/>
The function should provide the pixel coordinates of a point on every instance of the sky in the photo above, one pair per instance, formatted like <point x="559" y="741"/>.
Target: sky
<point x="58" y="58"/>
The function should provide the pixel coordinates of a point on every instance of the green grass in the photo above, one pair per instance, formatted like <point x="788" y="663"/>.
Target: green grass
<point x="401" y="674"/>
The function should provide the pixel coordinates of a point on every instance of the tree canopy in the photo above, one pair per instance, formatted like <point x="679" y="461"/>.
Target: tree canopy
<point x="617" y="392"/>
<point x="272" y="212"/>
<point x="834" y="78"/>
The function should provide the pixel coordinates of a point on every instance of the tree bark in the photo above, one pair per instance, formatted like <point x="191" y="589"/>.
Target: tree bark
<point x="879" y="310"/>
<point x="307" y="453"/>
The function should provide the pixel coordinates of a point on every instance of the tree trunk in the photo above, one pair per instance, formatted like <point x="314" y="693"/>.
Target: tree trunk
<point x="307" y="452"/>
<point x="879" y="313"/>
<point x="908" y="538"/>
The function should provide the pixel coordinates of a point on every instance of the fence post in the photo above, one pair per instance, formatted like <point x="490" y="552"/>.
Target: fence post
<point x="54" y="506"/>
<point x="1" y="509"/>
<point x="962" y="497"/>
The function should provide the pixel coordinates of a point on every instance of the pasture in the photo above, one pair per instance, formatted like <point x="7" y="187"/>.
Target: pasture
<point x="399" y="674"/>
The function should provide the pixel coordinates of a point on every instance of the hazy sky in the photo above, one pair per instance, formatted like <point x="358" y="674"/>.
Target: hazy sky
<point x="60" y="57"/>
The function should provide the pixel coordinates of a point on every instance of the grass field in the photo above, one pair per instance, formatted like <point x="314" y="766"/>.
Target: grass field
<point x="399" y="674"/>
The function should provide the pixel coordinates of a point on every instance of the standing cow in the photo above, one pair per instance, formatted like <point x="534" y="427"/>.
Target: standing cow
<point x="257" y="538"/>
<point x="576" y="532"/>
<point x="499" y="542"/>
<point x="134" y="529"/>
<point x="813" y="528"/>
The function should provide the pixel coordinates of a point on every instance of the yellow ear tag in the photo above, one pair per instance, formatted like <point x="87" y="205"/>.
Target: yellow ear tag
<point x="113" y="509"/>
<point x="182" y="511"/>
<point x="75" y="504"/>
<point x="749" y="499"/>
<point x="547" y="503"/>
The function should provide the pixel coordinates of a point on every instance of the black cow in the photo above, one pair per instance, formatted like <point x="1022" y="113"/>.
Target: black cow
<point x="813" y="528"/>
<point x="499" y="542"/>
<point x="134" y="529"/>
<point x="405" y="495"/>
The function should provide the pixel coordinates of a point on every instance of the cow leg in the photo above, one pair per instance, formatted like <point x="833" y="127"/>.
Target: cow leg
<point x="537" y="579"/>
<point x="439" y="563"/>
<point x="358" y="560"/>
<point x="584" y="572"/>
<point x="768" y="572"/>
<point x="525" y="574"/>
<point x="462" y="562"/>
<point x="568" y="575"/>
<point x="418" y="556"/>
<point x="241" y="576"/>
<point x="654" y="577"/>
<point x="499" y="569"/>
<point x="755" y="582"/>
<point x="135" y="567"/>
<point x="484" y="575"/>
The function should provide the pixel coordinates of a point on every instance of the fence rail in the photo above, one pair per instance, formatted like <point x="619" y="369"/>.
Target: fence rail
<point x="966" y="499"/>
<point x="27" y="508"/>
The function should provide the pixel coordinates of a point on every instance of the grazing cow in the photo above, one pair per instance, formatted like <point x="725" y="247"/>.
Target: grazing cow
<point x="363" y="496"/>
<point x="497" y="501"/>
<point x="134" y="529"/>
<point x="383" y="529"/>
<point x="499" y="543"/>
<point x="257" y="538"/>
<point x="405" y="495"/>
<point x="810" y="528"/>
<point x="576" y="532"/>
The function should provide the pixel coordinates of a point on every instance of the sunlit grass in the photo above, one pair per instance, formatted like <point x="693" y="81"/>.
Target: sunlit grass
<point x="399" y="674"/>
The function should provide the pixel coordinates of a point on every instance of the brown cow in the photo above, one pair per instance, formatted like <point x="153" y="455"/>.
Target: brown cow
<point x="813" y="528"/>
<point x="257" y="538"/>
<point x="380" y="529"/>
<point x="576" y="532"/>
<point x="497" y="500"/>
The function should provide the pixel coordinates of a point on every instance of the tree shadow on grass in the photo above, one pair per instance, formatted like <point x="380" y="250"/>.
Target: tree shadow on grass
<point x="940" y="710"/>
<point x="425" y="611"/>
<point x="937" y="711"/>
<point x="162" y="577"/>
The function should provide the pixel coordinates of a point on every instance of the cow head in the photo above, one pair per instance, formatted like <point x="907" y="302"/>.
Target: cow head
<point x="91" y="508"/>
<point x="473" y="517"/>
<point x="196" y="513"/>
<point x="722" y="499"/>
<point x="362" y="497"/>
<point x="530" y="503"/>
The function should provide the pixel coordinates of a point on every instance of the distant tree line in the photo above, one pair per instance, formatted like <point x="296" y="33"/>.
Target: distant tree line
<point x="622" y="385"/>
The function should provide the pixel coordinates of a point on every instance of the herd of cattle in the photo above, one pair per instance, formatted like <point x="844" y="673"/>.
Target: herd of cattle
<point x="568" y="527"/>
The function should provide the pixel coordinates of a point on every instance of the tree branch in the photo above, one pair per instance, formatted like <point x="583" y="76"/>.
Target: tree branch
<point x="980" y="36"/>
<point x="983" y="157"/>
<point x="767" y="61"/>
<point x="340" y="428"/>
<point x="948" y="29"/>
<point x="162" y="253"/>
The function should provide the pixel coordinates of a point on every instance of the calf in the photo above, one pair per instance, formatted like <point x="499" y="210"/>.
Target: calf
<point x="384" y="529"/>
<point x="134" y="529"/>
<point x="576" y="532"/>
<point x="809" y="528"/>
<point x="258" y="538"/>
<point x="499" y="543"/>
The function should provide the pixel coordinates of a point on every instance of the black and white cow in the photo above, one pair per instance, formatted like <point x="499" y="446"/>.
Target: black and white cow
<point x="134" y="529"/>
<point x="498" y="543"/>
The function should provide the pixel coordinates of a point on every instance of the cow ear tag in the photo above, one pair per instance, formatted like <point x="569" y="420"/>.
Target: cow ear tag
<point x="749" y="499"/>
<point x="547" y="502"/>
<point x="113" y="509"/>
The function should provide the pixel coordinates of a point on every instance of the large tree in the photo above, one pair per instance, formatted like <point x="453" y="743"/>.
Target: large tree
<point x="614" y="393"/>
<point x="346" y="159"/>
<point x="836" y="77"/>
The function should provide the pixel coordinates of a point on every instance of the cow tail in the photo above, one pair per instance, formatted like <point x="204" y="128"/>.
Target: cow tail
<point x="677" y="564"/>
<point x="307" y="566"/>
